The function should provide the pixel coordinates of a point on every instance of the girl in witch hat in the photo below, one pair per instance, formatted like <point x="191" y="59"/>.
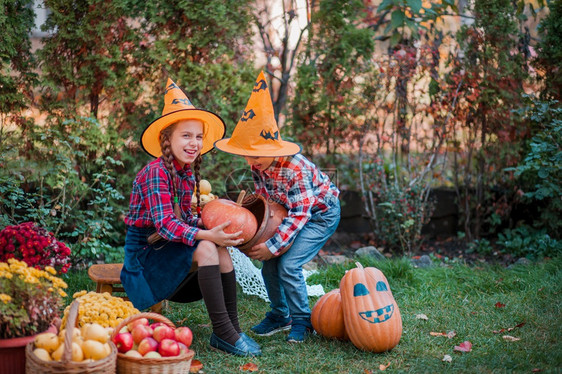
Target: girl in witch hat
<point x="168" y="254"/>
<point x="282" y="174"/>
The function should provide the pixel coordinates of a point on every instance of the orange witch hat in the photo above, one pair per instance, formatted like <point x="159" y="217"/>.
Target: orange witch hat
<point x="256" y="133"/>
<point x="178" y="107"/>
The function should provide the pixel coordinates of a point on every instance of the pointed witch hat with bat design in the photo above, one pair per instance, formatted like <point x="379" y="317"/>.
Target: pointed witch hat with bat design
<point x="178" y="107"/>
<point x="257" y="133"/>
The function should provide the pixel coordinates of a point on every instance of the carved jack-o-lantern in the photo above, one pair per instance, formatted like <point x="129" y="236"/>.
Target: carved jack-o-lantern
<point x="371" y="315"/>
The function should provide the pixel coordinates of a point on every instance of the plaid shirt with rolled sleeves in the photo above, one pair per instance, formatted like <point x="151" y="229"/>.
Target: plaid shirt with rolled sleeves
<point x="298" y="185"/>
<point x="151" y="202"/>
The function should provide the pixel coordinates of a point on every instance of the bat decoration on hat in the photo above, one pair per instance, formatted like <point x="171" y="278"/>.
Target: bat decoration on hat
<point x="248" y="114"/>
<point x="267" y="135"/>
<point x="171" y="86"/>
<point x="260" y="85"/>
<point x="181" y="101"/>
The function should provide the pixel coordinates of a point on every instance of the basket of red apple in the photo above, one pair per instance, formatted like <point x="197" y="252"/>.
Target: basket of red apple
<point x="151" y="343"/>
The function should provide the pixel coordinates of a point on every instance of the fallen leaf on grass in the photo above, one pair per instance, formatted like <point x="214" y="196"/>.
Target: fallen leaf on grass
<point x="196" y="365"/>
<point x="437" y="334"/>
<point x="383" y="367"/>
<point x="465" y="346"/>
<point x="250" y="366"/>
<point x="499" y="305"/>
<point x="422" y="316"/>
<point x="511" y="338"/>
<point x="451" y="334"/>
<point x="536" y="370"/>
<point x="509" y="329"/>
<point x="447" y="358"/>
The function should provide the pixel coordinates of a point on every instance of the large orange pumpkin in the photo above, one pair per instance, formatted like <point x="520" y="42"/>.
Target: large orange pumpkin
<point x="219" y="211"/>
<point x="371" y="316"/>
<point x="327" y="316"/>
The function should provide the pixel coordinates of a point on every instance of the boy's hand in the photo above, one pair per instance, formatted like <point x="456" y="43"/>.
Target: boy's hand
<point x="259" y="252"/>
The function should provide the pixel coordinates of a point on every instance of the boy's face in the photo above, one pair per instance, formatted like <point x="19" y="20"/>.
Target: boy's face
<point x="260" y="163"/>
<point x="187" y="140"/>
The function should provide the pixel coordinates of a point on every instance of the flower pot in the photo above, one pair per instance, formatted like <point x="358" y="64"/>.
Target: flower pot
<point x="269" y="216"/>
<point x="12" y="353"/>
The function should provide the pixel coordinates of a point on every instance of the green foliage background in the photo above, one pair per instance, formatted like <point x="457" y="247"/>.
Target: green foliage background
<point x="73" y="108"/>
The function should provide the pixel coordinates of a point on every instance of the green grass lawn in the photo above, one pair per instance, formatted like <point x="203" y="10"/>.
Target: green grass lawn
<point x="472" y="301"/>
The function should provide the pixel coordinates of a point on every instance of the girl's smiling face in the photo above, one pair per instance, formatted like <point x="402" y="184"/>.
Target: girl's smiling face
<point x="187" y="140"/>
<point x="260" y="163"/>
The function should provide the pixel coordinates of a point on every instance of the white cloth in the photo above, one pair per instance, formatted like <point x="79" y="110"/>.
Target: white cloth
<point x="249" y="276"/>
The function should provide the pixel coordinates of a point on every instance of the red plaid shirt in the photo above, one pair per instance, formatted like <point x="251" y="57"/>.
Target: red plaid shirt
<point x="298" y="185"/>
<point x="151" y="202"/>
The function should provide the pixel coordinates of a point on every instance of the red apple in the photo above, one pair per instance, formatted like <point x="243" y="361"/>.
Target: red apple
<point x="147" y="345"/>
<point x="154" y="325"/>
<point x="123" y="341"/>
<point x="140" y="321"/>
<point x="169" y="347"/>
<point x="183" y="334"/>
<point x="163" y="332"/>
<point x="140" y="332"/>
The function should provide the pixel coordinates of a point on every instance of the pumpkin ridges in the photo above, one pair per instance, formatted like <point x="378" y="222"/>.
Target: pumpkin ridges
<point x="218" y="211"/>
<point x="327" y="316"/>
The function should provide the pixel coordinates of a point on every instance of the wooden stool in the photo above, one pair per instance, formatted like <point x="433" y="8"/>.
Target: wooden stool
<point x="107" y="279"/>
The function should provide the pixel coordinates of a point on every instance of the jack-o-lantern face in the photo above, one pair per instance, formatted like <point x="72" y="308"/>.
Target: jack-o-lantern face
<point x="378" y="315"/>
<point x="371" y="315"/>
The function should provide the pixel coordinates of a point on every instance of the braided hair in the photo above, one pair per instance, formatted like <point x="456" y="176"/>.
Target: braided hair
<point x="196" y="166"/>
<point x="168" y="158"/>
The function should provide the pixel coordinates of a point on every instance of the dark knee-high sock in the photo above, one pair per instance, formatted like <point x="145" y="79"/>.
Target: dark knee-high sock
<point x="211" y="288"/>
<point x="230" y="300"/>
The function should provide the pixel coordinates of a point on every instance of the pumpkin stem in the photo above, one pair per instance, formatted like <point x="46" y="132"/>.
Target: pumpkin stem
<point x="359" y="265"/>
<point x="240" y="197"/>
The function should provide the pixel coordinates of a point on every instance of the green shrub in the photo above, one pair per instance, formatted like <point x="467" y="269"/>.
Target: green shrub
<point x="541" y="169"/>
<point x="61" y="178"/>
<point x="524" y="241"/>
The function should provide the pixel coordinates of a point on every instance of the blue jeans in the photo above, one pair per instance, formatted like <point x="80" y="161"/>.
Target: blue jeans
<point x="283" y="276"/>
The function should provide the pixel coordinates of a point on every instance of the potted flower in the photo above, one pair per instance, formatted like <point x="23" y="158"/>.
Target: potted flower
<point x="35" y="246"/>
<point x="30" y="301"/>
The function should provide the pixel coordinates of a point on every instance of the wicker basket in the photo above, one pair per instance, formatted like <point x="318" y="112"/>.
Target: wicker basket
<point x="140" y="365"/>
<point x="34" y="365"/>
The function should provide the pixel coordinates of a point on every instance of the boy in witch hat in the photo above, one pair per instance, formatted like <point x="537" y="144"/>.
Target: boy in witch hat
<point x="164" y="239"/>
<point x="285" y="176"/>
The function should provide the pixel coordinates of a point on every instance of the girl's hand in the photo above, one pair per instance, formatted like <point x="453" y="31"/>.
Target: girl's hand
<point x="200" y="223"/>
<point x="222" y="239"/>
<point x="259" y="252"/>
